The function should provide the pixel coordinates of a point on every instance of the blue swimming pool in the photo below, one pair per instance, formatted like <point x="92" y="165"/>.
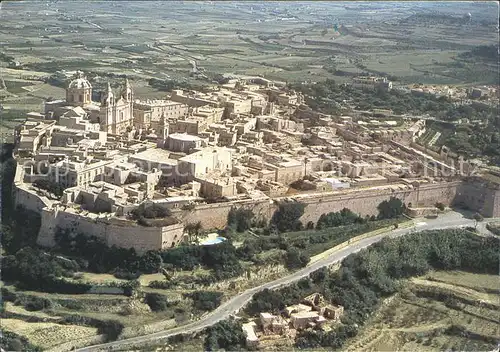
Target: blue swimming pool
<point x="213" y="241"/>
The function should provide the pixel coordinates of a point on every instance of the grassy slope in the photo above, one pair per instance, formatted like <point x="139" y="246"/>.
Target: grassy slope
<point x="410" y="323"/>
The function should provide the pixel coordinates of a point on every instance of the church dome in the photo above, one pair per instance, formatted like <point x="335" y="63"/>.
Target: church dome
<point x="80" y="82"/>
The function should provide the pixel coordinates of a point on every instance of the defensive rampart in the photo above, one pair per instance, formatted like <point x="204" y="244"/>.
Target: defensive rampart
<point x="477" y="195"/>
<point x="121" y="233"/>
<point x="362" y="201"/>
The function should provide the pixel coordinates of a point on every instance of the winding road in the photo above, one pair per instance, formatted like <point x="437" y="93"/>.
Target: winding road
<point x="449" y="220"/>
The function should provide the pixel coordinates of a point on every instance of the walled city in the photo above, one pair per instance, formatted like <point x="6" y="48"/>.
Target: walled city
<point x="136" y="172"/>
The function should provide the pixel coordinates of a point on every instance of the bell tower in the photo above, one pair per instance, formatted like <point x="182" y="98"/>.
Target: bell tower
<point x="162" y="132"/>
<point x="107" y="107"/>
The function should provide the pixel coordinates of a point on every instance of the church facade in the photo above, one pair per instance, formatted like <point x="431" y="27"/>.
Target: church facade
<point x="114" y="113"/>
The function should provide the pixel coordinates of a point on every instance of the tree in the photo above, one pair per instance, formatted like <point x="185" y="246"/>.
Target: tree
<point x="193" y="230"/>
<point x="227" y="335"/>
<point x="240" y="219"/>
<point x="286" y="217"/>
<point x="150" y="263"/>
<point x="205" y="300"/>
<point x="389" y="209"/>
<point x="340" y="218"/>
<point x="266" y="301"/>
<point x="156" y="301"/>
<point x="295" y="259"/>
<point x="50" y="186"/>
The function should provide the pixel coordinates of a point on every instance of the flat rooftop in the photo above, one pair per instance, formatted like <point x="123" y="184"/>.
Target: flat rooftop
<point x="184" y="137"/>
<point x="155" y="155"/>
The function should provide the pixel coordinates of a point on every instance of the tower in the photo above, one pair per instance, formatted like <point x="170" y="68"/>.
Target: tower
<point x="107" y="107"/>
<point x="127" y="93"/>
<point x="162" y="132"/>
<point x="79" y="91"/>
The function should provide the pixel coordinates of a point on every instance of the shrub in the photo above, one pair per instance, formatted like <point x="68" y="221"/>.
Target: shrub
<point x="240" y="218"/>
<point x="153" y="211"/>
<point x="156" y="301"/>
<point x="10" y="341"/>
<point x="340" y="218"/>
<point x="227" y="335"/>
<point x="295" y="259"/>
<point x="440" y="206"/>
<point x="126" y="275"/>
<point x="50" y="186"/>
<point x="34" y="303"/>
<point x="205" y="300"/>
<point x="111" y="328"/>
<point x="389" y="209"/>
<point x="286" y="217"/>
<point x="161" y="284"/>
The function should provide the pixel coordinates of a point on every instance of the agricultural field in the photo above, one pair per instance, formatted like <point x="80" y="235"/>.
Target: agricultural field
<point x="66" y="318"/>
<point x="292" y="41"/>
<point x="194" y="42"/>
<point x="441" y="311"/>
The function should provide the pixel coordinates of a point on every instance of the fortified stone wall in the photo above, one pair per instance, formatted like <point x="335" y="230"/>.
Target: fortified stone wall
<point x="367" y="201"/>
<point x="364" y="202"/>
<point x="214" y="216"/>
<point x="30" y="199"/>
<point x="118" y="233"/>
<point x="478" y="196"/>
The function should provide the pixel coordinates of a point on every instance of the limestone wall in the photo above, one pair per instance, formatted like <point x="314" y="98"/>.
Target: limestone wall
<point x="214" y="216"/>
<point x="478" y="196"/>
<point x="364" y="202"/>
<point x="29" y="199"/>
<point x="120" y="234"/>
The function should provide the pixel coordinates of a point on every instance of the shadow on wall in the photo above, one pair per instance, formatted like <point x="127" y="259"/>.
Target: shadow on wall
<point x="477" y="195"/>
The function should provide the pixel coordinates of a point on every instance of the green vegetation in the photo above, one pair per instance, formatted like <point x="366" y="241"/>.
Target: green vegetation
<point x="324" y="95"/>
<point x="10" y="341"/>
<point x="50" y="186"/>
<point x="310" y="242"/>
<point x="153" y="215"/>
<point x="390" y="209"/>
<point x="34" y="269"/>
<point x="286" y="218"/>
<point x="240" y="219"/>
<point x="153" y="211"/>
<point x="480" y="140"/>
<point x="341" y="218"/>
<point x="377" y="272"/>
<point x="440" y="206"/>
<point x="483" y="52"/>
<point x="295" y="259"/>
<point x="226" y="335"/>
<point x="157" y="302"/>
<point x="443" y="310"/>
<point x="494" y="228"/>
<point x="205" y="300"/>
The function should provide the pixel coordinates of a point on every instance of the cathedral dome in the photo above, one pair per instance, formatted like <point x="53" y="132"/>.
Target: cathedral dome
<point x="80" y="82"/>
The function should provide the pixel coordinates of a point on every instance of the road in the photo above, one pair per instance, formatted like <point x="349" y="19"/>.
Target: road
<point x="449" y="220"/>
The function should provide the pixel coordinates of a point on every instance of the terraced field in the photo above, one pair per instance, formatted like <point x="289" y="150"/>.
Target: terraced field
<point x="442" y="311"/>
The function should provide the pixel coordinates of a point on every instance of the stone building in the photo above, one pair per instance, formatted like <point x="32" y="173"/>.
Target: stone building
<point x="114" y="113"/>
<point x="148" y="113"/>
<point x="117" y="111"/>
